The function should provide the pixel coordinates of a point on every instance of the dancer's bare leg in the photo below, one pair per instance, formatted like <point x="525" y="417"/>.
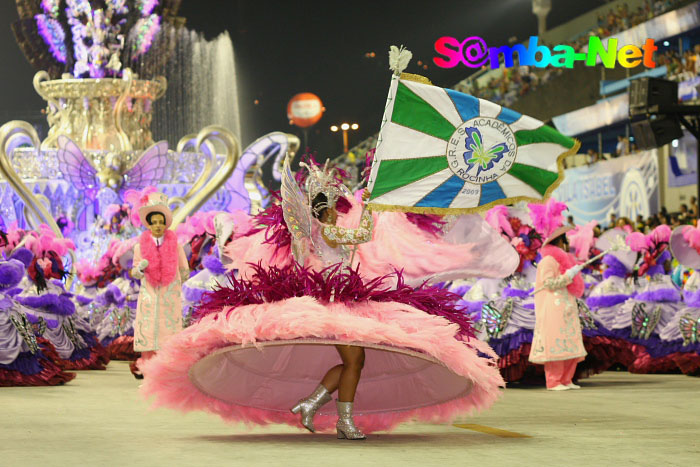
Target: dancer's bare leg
<point x="332" y="378"/>
<point x="353" y="360"/>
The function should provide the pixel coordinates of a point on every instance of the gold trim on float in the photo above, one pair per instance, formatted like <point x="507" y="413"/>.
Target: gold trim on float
<point x="192" y="202"/>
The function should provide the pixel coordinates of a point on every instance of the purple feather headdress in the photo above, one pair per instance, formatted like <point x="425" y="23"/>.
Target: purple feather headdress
<point x="23" y="255"/>
<point x="213" y="264"/>
<point x="615" y="267"/>
<point x="11" y="273"/>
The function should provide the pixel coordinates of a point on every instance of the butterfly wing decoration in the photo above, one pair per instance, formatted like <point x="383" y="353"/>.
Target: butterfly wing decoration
<point x="495" y="320"/>
<point x="585" y="315"/>
<point x="643" y="322"/>
<point x="74" y="166"/>
<point x="69" y="327"/>
<point x="25" y="330"/>
<point x="149" y="169"/>
<point x="690" y="329"/>
<point x="478" y="155"/>
<point x="296" y="211"/>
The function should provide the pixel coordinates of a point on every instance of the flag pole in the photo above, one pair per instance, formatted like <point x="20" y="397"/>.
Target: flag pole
<point x="399" y="57"/>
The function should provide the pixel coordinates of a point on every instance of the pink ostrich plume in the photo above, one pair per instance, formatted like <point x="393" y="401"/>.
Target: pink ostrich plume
<point x="637" y="241"/>
<point x="497" y="217"/>
<point x="582" y="239"/>
<point x="14" y="236"/>
<point x="546" y="218"/>
<point x="119" y="248"/>
<point x="45" y="241"/>
<point x="692" y="236"/>
<point x="137" y="199"/>
<point x="197" y="224"/>
<point x="661" y="234"/>
<point x="87" y="272"/>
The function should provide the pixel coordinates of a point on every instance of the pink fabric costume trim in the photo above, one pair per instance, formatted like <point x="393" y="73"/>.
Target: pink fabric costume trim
<point x="169" y="375"/>
<point x="162" y="261"/>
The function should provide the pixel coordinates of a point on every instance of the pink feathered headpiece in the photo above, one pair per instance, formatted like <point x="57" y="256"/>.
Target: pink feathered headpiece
<point x="661" y="234"/>
<point x="45" y="241"/>
<point x="546" y="218"/>
<point x="197" y="224"/>
<point x="637" y="241"/>
<point x="14" y="237"/>
<point x="137" y="199"/>
<point x="497" y="217"/>
<point x="581" y="239"/>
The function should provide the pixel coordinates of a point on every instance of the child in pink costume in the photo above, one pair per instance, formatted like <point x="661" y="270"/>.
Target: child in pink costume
<point x="557" y="341"/>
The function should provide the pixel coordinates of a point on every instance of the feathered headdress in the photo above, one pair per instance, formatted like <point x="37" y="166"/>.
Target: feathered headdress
<point x="46" y="241"/>
<point x="137" y="199"/>
<point x="582" y="239"/>
<point x="522" y="237"/>
<point x="498" y="218"/>
<point x="322" y="180"/>
<point x="652" y="248"/>
<point x="196" y="225"/>
<point x="547" y="217"/>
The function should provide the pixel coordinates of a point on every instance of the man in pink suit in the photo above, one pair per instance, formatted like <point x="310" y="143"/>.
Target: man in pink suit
<point x="161" y="264"/>
<point x="557" y="342"/>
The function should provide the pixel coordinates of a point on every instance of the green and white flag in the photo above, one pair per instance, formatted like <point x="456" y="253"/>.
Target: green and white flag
<point x="442" y="151"/>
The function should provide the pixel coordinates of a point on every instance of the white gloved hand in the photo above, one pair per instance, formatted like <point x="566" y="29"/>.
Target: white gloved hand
<point x="571" y="272"/>
<point x="143" y="264"/>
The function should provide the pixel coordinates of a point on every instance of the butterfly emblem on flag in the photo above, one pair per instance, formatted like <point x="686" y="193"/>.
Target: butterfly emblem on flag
<point x="477" y="155"/>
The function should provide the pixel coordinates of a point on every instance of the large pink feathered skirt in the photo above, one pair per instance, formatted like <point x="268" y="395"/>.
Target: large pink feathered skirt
<point x="252" y="362"/>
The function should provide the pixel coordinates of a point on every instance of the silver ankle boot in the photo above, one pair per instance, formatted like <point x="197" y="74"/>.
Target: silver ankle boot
<point x="310" y="405"/>
<point x="346" y="425"/>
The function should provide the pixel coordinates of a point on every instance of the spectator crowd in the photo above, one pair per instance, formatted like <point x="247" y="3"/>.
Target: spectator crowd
<point x="687" y="215"/>
<point x="516" y="82"/>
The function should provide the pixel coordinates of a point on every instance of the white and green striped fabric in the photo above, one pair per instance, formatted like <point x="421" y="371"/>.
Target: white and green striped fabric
<point x="442" y="151"/>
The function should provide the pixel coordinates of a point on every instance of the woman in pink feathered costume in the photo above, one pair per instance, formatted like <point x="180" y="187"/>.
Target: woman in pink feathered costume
<point x="270" y="336"/>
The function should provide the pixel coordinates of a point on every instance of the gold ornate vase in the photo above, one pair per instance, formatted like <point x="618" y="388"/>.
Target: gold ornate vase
<point x="100" y="114"/>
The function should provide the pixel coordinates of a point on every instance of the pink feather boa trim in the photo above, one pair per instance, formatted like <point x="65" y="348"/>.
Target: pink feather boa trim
<point x="162" y="262"/>
<point x="398" y="325"/>
<point x="566" y="261"/>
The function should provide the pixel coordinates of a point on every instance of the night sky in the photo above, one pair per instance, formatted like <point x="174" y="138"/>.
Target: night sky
<point x="283" y="48"/>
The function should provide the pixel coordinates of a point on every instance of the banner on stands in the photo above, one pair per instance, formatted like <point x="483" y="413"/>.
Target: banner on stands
<point x="627" y="186"/>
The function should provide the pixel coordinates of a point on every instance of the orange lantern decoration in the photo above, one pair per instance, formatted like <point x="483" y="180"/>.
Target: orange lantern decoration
<point x="305" y="109"/>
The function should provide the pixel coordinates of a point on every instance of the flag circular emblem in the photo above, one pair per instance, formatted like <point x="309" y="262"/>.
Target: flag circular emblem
<point x="481" y="150"/>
